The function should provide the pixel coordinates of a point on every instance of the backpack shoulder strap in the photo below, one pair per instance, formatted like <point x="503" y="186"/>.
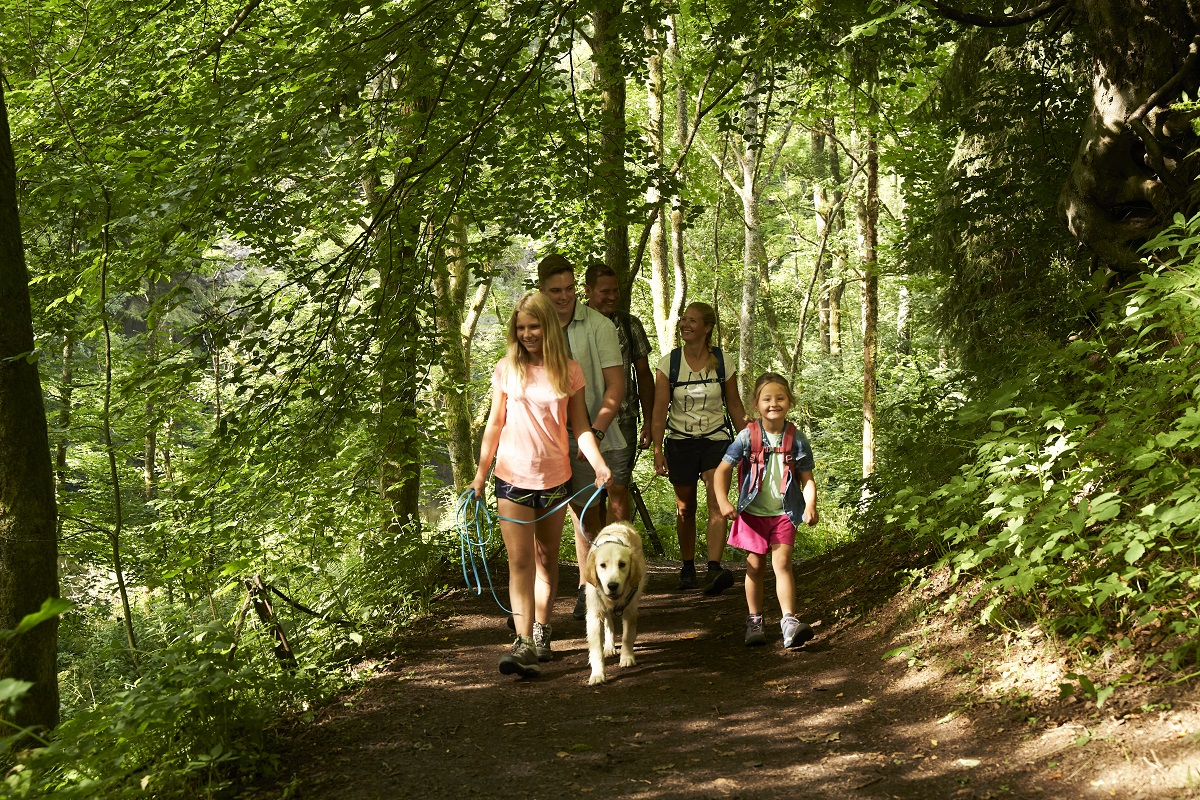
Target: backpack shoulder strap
<point x="757" y="456"/>
<point x="728" y="421"/>
<point x="676" y="357"/>
<point x="756" y="441"/>
<point x="746" y="463"/>
<point x="789" y="441"/>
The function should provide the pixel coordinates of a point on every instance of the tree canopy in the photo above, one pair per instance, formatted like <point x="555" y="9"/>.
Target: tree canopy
<point x="271" y="249"/>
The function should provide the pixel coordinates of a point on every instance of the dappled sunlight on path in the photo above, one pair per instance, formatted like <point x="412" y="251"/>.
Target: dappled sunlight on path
<point x="700" y="715"/>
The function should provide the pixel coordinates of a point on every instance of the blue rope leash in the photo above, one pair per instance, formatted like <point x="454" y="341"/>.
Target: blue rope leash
<point x="475" y="523"/>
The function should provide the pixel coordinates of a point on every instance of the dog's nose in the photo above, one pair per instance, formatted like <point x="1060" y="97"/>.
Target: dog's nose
<point x="614" y="586"/>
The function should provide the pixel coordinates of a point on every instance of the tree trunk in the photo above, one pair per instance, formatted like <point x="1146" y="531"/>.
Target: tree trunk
<point x="28" y="545"/>
<point x="451" y="277"/>
<point x="868" y="224"/>
<point x="903" y="333"/>
<point x="753" y="252"/>
<point x="398" y="317"/>
<point x="397" y="435"/>
<point x="66" y="395"/>
<point x="110" y="448"/>
<point x="612" y="180"/>
<point x="150" y="449"/>
<point x="821" y="214"/>
<point x="838" y="265"/>
<point x="667" y="310"/>
<point x="655" y="86"/>
<point x="835" y="317"/>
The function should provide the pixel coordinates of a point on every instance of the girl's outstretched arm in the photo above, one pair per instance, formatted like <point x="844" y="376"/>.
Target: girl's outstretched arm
<point x="811" y="517"/>
<point x="721" y="479"/>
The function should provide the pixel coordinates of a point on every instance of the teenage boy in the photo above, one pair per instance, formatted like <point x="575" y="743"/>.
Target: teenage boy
<point x="592" y="341"/>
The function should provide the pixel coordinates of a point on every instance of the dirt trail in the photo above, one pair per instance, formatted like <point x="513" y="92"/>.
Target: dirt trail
<point x="702" y="716"/>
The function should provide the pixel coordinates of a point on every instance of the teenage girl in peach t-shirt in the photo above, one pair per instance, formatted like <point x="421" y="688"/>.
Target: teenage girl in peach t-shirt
<point x="535" y="393"/>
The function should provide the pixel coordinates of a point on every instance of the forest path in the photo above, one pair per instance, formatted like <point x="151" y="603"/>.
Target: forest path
<point x="703" y="716"/>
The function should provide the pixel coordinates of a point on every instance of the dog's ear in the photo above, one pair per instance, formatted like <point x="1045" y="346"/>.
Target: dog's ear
<point x="589" y="569"/>
<point x="637" y="567"/>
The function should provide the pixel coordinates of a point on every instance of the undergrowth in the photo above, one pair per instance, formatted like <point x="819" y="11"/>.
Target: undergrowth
<point x="1080" y="501"/>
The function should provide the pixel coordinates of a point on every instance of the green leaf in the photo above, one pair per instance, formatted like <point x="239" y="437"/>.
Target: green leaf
<point x="11" y="689"/>
<point x="52" y="607"/>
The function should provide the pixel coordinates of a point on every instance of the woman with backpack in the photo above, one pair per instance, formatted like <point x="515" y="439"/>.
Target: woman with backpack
<point x="776" y="492"/>
<point x="696" y="406"/>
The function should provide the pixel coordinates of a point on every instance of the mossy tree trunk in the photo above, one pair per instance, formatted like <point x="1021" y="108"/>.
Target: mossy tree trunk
<point x="28" y="541"/>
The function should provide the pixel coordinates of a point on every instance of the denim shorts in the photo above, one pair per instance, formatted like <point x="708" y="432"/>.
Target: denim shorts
<point x="532" y="498"/>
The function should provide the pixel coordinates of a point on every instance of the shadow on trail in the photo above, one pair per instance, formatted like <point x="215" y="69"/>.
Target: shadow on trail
<point x="699" y="716"/>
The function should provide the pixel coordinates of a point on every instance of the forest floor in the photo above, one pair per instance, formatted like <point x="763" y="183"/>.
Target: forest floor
<point x="964" y="713"/>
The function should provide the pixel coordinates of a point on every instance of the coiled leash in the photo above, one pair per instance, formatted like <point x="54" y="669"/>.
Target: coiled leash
<point x="475" y="523"/>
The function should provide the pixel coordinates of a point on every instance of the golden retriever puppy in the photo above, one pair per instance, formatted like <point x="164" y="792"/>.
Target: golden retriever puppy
<point x="615" y="575"/>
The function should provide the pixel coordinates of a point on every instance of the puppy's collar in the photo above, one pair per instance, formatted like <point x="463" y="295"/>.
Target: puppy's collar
<point x="609" y="539"/>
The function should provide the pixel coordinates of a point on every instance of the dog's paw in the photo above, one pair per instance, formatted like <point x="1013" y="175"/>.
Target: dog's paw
<point x="597" y="678"/>
<point x="628" y="660"/>
<point x="611" y="651"/>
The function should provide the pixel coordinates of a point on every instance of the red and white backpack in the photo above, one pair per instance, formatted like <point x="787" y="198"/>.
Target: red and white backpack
<point x="759" y="452"/>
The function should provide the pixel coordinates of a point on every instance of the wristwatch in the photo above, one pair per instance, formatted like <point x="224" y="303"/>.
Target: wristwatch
<point x="599" y="434"/>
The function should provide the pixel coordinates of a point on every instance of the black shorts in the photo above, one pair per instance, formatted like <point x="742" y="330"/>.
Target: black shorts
<point x="688" y="459"/>
<point x="532" y="498"/>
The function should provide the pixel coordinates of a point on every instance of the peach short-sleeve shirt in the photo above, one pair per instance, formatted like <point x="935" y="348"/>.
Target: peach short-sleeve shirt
<point x="533" y="452"/>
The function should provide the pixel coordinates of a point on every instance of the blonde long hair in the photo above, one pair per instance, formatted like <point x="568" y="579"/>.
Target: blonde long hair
<point x="709" y="315"/>
<point x="554" y="347"/>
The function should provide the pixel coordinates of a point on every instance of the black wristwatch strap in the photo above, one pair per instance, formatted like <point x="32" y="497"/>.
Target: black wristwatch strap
<point x="599" y="434"/>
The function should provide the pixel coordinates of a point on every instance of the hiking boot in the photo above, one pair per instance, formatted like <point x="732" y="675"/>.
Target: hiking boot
<point x="580" y="610"/>
<point x="541" y="641"/>
<point x="718" y="581"/>
<point x="754" y="631"/>
<point x="687" y="580"/>
<point x="522" y="660"/>
<point x="795" y="632"/>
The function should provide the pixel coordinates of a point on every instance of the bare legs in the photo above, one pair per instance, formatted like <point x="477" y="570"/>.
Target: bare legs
<point x="756" y="567"/>
<point x="618" y="502"/>
<point x="685" y="520"/>
<point x="532" y="562"/>
<point x="585" y="531"/>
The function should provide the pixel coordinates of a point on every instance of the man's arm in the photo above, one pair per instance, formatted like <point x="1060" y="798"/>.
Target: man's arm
<point x="614" y="392"/>
<point x="608" y="352"/>
<point x="645" y="379"/>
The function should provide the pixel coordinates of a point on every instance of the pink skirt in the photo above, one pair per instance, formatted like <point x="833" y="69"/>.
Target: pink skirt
<point x="757" y="534"/>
